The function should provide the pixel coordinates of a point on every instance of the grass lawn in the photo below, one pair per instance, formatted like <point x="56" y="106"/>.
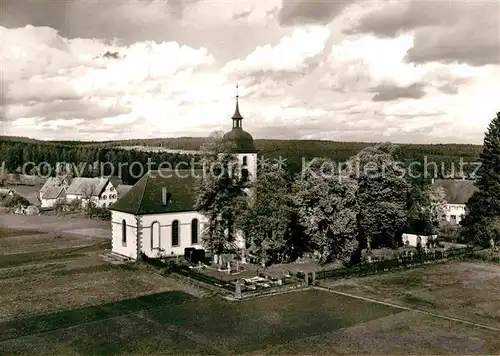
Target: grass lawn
<point x="58" y="297"/>
<point x="308" y="322"/>
<point x="40" y="273"/>
<point x="465" y="290"/>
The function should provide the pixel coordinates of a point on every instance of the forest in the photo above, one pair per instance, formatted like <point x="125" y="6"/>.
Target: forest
<point x="17" y="151"/>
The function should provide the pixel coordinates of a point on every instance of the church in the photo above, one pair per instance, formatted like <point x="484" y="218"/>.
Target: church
<point x="157" y="217"/>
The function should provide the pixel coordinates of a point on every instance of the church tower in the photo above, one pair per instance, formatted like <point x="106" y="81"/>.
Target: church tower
<point x="241" y="144"/>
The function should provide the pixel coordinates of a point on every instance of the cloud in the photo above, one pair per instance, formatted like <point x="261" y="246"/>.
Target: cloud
<point x="369" y="64"/>
<point x="267" y="70"/>
<point x="445" y="31"/>
<point x="386" y="92"/>
<point x="48" y="77"/>
<point x="173" y="72"/>
<point x="291" y="54"/>
<point x="294" y="12"/>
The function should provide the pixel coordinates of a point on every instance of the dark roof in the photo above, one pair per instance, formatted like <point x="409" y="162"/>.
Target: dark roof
<point x="456" y="191"/>
<point x="239" y="141"/>
<point x="237" y="114"/>
<point x="145" y="197"/>
<point x="116" y="181"/>
<point x="123" y="189"/>
<point x="54" y="193"/>
<point x="83" y="186"/>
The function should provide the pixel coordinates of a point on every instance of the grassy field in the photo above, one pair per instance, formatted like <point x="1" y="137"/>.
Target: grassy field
<point x="465" y="290"/>
<point x="59" y="297"/>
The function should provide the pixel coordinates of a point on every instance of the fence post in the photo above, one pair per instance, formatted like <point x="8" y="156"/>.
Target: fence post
<point x="306" y="278"/>
<point x="314" y="278"/>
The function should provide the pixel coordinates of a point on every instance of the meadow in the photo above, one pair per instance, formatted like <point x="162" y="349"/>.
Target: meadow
<point x="59" y="297"/>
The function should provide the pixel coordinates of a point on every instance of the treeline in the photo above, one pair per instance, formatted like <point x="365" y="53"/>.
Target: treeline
<point x="442" y="160"/>
<point x="86" y="161"/>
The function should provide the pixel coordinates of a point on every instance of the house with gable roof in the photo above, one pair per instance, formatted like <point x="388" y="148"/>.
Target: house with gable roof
<point x="100" y="190"/>
<point x="157" y="216"/>
<point x="52" y="196"/>
<point x="457" y="192"/>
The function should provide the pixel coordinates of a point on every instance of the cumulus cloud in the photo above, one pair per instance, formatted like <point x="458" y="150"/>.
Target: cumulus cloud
<point x="172" y="70"/>
<point x="387" y="92"/>
<point x="294" y="12"/>
<point x="291" y="54"/>
<point x="52" y="78"/>
<point x="268" y="70"/>
<point x="371" y="64"/>
<point x="445" y="31"/>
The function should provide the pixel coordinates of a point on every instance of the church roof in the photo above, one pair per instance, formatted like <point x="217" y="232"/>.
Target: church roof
<point x="239" y="141"/>
<point x="145" y="197"/>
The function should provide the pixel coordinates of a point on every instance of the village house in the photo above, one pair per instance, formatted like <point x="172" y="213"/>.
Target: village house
<point x="53" y="182"/>
<point x="101" y="191"/>
<point x="457" y="193"/>
<point x="157" y="217"/>
<point x="52" y="196"/>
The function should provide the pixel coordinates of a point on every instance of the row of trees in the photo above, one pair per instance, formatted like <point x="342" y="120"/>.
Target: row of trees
<point x="89" y="161"/>
<point x="17" y="150"/>
<point x="337" y="214"/>
<point x="482" y="223"/>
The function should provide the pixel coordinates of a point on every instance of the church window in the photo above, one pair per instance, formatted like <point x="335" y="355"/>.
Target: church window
<point x="244" y="174"/>
<point x="194" y="231"/>
<point x="175" y="233"/>
<point x="244" y="160"/>
<point x="155" y="235"/>
<point x="124" y="232"/>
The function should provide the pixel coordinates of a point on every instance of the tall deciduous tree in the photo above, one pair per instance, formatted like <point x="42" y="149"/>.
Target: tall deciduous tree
<point x="220" y="196"/>
<point x="382" y="196"/>
<point x="483" y="208"/>
<point x="326" y="207"/>
<point x="267" y="220"/>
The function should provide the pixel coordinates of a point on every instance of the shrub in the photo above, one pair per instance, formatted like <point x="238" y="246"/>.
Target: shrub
<point x="12" y="201"/>
<point x="100" y="213"/>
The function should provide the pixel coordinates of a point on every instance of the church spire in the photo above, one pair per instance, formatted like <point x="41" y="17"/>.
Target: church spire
<point x="237" y="116"/>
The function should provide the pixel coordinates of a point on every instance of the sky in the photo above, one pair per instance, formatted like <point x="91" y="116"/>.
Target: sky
<point x="410" y="71"/>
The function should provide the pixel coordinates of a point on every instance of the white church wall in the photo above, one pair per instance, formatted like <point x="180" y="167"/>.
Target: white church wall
<point x="251" y="163"/>
<point x="118" y="245"/>
<point x="157" y="233"/>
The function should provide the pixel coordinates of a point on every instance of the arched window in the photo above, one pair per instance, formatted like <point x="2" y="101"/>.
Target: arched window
<point x="124" y="232"/>
<point x="175" y="233"/>
<point x="155" y="235"/>
<point x="244" y="160"/>
<point x="194" y="231"/>
<point x="244" y="174"/>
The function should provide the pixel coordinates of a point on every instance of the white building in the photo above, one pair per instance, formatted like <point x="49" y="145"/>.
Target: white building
<point x="53" y="182"/>
<point x="52" y="196"/>
<point x="457" y="193"/>
<point x="415" y="240"/>
<point x="156" y="217"/>
<point x="101" y="191"/>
